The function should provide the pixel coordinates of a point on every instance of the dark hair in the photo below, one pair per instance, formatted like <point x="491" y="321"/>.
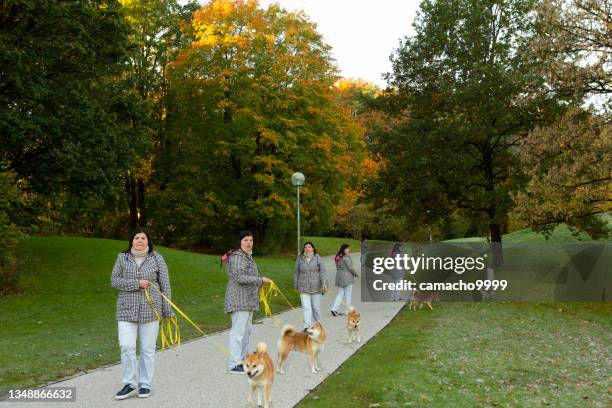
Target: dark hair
<point x="340" y="253"/>
<point x="396" y="248"/>
<point x="311" y="244"/>
<point x="241" y="236"/>
<point x="136" y="231"/>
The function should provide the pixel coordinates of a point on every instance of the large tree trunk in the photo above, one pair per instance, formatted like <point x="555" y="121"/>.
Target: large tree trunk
<point x="141" y="202"/>
<point x="496" y="244"/>
<point x="494" y="226"/>
<point x="135" y="190"/>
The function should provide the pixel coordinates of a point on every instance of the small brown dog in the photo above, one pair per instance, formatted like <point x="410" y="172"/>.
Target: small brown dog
<point x="310" y="342"/>
<point x="419" y="298"/>
<point x="353" y="325"/>
<point x="259" y="367"/>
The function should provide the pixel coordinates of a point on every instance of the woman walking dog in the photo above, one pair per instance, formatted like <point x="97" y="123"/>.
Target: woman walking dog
<point x="345" y="277"/>
<point x="137" y="268"/>
<point x="310" y="280"/>
<point x="241" y="298"/>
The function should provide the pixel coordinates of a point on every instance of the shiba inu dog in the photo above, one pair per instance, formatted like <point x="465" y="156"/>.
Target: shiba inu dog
<point x="310" y="342"/>
<point x="353" y="325"/>
<point x="258" y="366"/>
<point x="420" y="298"/>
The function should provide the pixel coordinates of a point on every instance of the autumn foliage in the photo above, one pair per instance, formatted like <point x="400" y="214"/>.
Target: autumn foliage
<point x="251" y="101"/>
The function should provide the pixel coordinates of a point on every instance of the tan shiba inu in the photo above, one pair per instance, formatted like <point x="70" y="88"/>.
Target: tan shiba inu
<point x="353" y="325"/>
<point x="310" y="342"/>
<point x="420" y="298"/>
<point x="259" y="367"/>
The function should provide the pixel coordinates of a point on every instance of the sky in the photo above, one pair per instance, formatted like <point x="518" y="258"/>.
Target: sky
<point x="362" y="33"/>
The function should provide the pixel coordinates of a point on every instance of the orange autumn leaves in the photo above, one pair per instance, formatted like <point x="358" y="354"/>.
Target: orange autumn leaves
<point x="252" y="100"/>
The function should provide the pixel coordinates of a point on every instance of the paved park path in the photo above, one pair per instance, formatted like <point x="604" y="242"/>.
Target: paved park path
<point x="196" y="375"/>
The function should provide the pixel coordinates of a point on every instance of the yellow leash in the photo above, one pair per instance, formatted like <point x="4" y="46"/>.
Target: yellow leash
<point x="176" y="338"/>
<point x="264" y="298"/>
<point x="266" y="295"/>
<point x="171" y="334"/>
<point x="166" y="328"/>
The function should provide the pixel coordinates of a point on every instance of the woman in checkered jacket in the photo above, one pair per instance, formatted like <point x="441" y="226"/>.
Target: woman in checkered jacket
<point x="241" y="298"/>
<point x="137" y="268"/>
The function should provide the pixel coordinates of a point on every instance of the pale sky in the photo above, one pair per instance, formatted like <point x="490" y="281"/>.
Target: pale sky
<point x="362" y="33"/>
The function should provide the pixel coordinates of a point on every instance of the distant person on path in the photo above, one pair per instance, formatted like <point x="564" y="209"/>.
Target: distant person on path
<point x="310" y="280"/>
<point x="137" y="268"/>
<point x="345" y="277"/>
<point x="397" y="274"/>
<point x="241" y="298"/>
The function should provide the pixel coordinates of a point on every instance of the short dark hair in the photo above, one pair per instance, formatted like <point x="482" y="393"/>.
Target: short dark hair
<point x="311" y="244"/>
<point x="242" y="235"/>
<point x="135" y="231"/>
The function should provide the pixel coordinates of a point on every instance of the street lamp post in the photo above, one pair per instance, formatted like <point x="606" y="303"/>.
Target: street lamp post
<point x="297" y="179"/>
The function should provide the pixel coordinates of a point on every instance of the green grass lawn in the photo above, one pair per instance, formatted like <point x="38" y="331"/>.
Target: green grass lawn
<point x="64" y="320"/>
<point x="330" y="246"/>
<point x="64" y="323"/>
<point x="485" y="354"/>
<point x="481" y="355"/>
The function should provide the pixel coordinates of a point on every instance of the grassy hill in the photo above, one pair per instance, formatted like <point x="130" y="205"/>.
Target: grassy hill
<point x="561" y="234"/>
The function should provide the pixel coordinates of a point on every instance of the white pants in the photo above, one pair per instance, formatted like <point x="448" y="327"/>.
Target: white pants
<point x="239" y="337"/>
<point x="396" y="293"/>
<point x="134" y="374"/>
<point x="311" y="305"/>
<point x="344" y="294"/>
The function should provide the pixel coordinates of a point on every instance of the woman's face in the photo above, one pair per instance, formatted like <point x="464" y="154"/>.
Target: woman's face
<point x="246" y="243"/>
<point x="308" y="249"/>
<point x="140" y="241"/>
<point x="347" y="250"/>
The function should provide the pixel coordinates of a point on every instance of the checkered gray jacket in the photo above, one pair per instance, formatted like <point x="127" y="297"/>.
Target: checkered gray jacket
<point x="242" y="292"/>
<point x="309" y="277"/>
<point x="132" y="304"/>
<point x="345" y="271"/>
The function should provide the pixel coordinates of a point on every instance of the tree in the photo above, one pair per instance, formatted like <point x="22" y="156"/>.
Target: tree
<point x="570" y="168"/>
<point x="155" y="40"/>
<point x="250" y="102"/>
<point x="464" y="94"/>
<point x="61" y="130"/>
<point x="9" y="205"/>
<point x="575" y="38"/>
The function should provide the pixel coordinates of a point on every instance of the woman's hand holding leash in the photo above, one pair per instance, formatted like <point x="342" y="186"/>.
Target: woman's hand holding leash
<point x="143" y="283"/>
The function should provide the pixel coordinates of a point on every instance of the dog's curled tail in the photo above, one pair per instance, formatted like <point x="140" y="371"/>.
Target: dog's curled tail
<point x="261" y="347"/>
<point x="288" y="330"/>
<point x="351" y="309"/>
